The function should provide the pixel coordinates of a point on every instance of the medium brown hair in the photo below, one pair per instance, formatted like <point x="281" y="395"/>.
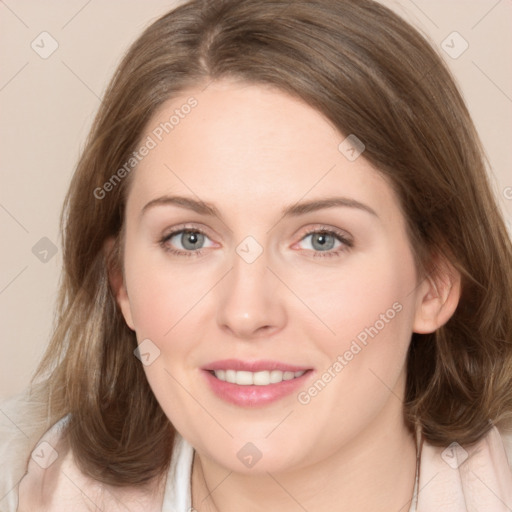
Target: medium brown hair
<point x="370" y="74"/>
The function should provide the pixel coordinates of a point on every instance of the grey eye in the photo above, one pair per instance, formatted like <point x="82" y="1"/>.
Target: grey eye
<point x="322" y="241"/>
<point x="188" y="240"/>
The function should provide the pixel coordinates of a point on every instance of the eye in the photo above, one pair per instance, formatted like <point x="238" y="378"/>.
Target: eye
<point x="186" y="242"/>
<point x="326" y="242"/>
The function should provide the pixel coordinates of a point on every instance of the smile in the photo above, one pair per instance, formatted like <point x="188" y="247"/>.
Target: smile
<point x="262" y="378"/>
<point x="255" y="383"/>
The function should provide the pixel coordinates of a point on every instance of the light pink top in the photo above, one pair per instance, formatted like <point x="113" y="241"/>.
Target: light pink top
<point x="454" y="479"/>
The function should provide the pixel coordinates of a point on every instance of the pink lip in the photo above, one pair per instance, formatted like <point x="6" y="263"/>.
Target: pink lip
<point x="253" y="366"/>
<point x="253" y="396"/>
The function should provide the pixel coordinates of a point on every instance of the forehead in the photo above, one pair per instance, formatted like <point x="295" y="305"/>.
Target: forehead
<point x="249" y="145"/>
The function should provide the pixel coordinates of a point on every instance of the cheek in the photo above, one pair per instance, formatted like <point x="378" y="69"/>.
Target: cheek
<point x="161" y="293"/>
<point x="161" y="298"/>
<point x="356" y="295"/>
<point x="370" y="308"/>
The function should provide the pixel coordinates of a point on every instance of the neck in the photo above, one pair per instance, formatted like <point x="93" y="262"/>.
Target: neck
<point x="374" y="471"/>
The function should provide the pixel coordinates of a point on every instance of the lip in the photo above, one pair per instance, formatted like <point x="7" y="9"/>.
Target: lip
<point x="253" y="366"/>
<point x="253" y="396"/>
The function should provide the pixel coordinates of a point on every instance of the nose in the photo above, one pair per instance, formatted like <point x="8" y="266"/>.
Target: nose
<point x="250" y="304"/>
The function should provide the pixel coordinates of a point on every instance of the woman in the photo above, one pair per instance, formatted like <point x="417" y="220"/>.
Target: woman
<point x="287" y="283"/>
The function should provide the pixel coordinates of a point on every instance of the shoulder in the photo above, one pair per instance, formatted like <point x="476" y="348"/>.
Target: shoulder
<point x="55" y="483"/>
<point x="38" y="471"/>
<point x="22" y="422"/>
<point x="458" y="478"/>
<point x="40" y="484"/>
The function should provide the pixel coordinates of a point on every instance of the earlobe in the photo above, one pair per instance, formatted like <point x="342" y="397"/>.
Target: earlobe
<point x="438" y="297"/>
<point x="116" y="280"/>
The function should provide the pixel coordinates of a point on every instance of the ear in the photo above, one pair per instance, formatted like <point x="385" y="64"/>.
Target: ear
<point x="438" y="297"/>
<point x="116" y="279"/>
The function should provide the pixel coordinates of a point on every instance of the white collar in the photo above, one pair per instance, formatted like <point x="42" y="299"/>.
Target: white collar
<point x="177" y="496"/>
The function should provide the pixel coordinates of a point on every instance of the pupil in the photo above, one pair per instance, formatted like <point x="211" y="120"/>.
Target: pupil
<point x="321" y="240"/>
<point x="191" y="239"/>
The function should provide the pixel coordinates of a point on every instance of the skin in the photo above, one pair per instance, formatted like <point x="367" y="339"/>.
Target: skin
<point x="250" y="151"/>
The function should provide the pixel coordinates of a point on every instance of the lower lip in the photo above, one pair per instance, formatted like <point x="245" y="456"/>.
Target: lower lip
<point x="254" y="396"/>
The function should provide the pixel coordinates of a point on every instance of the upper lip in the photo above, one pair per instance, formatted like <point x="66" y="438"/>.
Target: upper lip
<point x="253" y="366"/>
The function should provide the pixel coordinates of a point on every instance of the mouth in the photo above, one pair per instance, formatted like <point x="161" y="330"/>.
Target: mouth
<point x="253" y="384"/>
<point x="262" y="378"/>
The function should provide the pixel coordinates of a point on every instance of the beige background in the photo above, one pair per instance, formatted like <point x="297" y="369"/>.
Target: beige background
<point x="47" y="106"/>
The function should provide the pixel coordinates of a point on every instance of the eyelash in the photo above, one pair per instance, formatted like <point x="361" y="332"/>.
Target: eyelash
<point x="347" y="244"/>
<point x="178" y="252"/>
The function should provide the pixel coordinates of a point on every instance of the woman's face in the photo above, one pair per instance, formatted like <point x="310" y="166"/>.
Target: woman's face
<point x="296" y="259"/>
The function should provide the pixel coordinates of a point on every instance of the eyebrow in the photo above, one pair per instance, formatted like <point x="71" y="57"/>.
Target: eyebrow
<point x="328" y="202"/>
<point x="294" y="210"/>
<point x="185" y="202"/>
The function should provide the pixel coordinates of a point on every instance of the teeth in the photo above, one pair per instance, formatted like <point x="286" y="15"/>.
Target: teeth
<point x="264" y="378"/>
